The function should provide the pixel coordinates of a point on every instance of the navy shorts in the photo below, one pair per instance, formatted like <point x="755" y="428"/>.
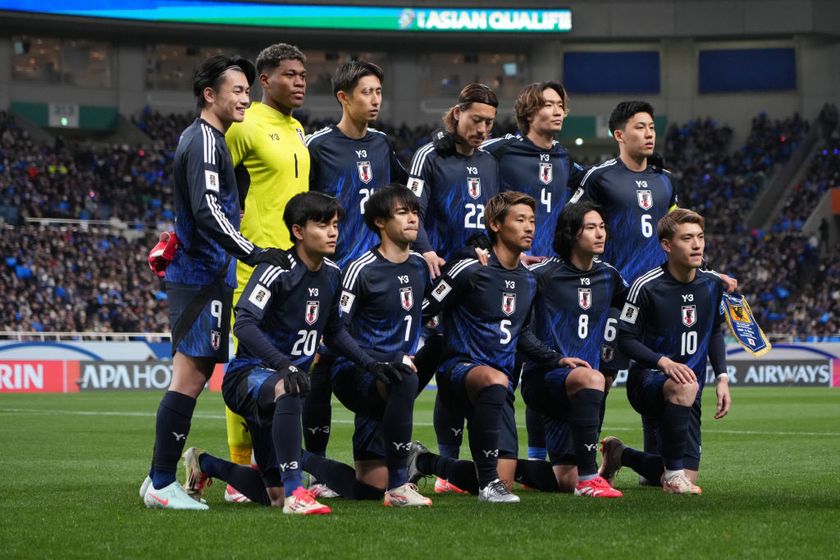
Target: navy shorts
<point x="646" y="396"/>
<point x="250" y="394"/>
<point x="546" y="393"/>
<point x="209" y="335"/>
<point x="356" y="388"/>
<point x="452" y="388"/>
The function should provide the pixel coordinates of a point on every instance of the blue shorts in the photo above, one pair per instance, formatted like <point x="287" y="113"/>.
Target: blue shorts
<point x="546" y="393"/>
<point x="646" y="396"/>
<point x="209" y="335"/>
<point x="452" y="388"/>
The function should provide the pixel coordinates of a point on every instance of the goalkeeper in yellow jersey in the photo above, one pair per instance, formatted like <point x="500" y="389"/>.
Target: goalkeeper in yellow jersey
<point x="272" y="165"/>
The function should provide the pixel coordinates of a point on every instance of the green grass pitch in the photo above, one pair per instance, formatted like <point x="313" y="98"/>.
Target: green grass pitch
<point x="71" y="466"/>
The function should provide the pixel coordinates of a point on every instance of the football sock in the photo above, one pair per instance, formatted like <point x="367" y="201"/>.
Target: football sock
<point x="484" y="432"/>
<point x="428" y="359"/>
<point x="460" y="473"/>
<point x="652" y="434"/>
<point x="238" y="438"/>
<point x="339" y="477"/>
<point x="449" y="429"/>
<point x="646" y="464"/>
<point x="174" y="416"/>
<point x="674" y="434"/>
<point x="317" y="412"/>
<point x="245" y="479"/>
<point x="536" y="474"/>
<point x="584" y="417"/>
<point x="397" y="419"/>
<point x="287" y="438"/>
<point x="535" y="426"/>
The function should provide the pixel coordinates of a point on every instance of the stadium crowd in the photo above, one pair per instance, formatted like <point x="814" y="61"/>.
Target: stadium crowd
<point x="99" y="281"/>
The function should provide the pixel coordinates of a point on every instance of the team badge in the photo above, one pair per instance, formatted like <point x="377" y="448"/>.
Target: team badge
<point x="215" y="339"/>
<point x="442" y="289"/>
<point x="508" y="303"/>
<point x="645" y="199"/>
<point x="365" y="171"/>
<point x="415" y="185"/>
<point x="211" y="180"/>
<point x="629" y="313"/>
<point x="474" y="187"/>
<point x="406" y="298"/>
<point x="607" y="353"/>
<point x="312" y="308"/>
<point x="260" y="296"/>
<point x="585" y="298"/>
<point x="689" y="315"/>
<point x="345" y="302"/>
<point x="546" y="173"/>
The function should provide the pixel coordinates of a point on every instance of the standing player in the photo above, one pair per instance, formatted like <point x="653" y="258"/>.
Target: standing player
<point x="574" y="295"/>
<point x="381" y="300"/>
<point x="348" y="161"/>
<point x="485" y="313"/>
<point x="535" y="162"/>
<point x="453" y="178"/>
<point x="669" y="326"/>
<point x="200" y="280"/>
<point x="280" y="317"/>
<point x="272" y="165"/>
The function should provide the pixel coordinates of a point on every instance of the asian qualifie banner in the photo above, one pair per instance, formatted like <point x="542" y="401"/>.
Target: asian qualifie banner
<point x="363" y="18"/>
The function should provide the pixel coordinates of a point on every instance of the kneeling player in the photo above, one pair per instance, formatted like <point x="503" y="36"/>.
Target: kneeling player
<point x="670" y="323"/>
<point x="574" y="296"/>
<point x="485" y="312"/>
<point x="380" y="303"/>
<point x="280" y="318"/>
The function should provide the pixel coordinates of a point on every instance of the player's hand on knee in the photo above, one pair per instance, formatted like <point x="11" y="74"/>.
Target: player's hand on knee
<point x="295" y="381"/>
<point x="676" y="371"/>
<point x="573" y="363"/>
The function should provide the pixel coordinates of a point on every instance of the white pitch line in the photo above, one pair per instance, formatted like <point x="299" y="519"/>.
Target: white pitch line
<point x="14" y="411"/>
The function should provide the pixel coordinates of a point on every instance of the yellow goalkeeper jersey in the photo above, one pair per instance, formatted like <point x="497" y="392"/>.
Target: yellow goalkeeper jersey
<point x="272" y="165"/>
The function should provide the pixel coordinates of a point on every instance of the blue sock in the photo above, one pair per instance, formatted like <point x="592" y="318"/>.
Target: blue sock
<point x="674" y="435"/>
<point x="537" y="453"/>
<point x="242" y="477"/>
<point x="484" y="431"/>
<point x="535" y="426"/>
<point x="174" y="416"/>
<point x="287" y="437"/>
<point x="449" y="429"/>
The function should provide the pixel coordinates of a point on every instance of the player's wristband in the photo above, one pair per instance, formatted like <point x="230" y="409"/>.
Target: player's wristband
<point x="720" y="376"/>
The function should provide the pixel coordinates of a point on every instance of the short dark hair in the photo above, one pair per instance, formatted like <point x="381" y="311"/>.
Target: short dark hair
<point x="472" y="93"/>
<point x="667" y="226"/>
<point x="625" y="110"/>
<point x="498" y="207"/>
<point x="271" y="56"/>
<point x="210" y="73"/>
<point x="311" y="206"/>
<point x="382" y="202"/>
<point x="531" y="99"/>
<point x="348" y="74"/>
<point x="569" y="224"/>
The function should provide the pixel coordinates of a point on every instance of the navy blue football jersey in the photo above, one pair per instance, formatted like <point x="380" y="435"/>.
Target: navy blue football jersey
<point x="672" y="318"/>
<point x="632" y="203"/>
<point x="485" y="313"/>
<point x="572" y="306"/>
<point x="350" y="170"/>
<point x="453" y="191"/>
<point x="206" y="208"/>
<point x="549" y="176"/>
<point x="292" y="308"/>
<point x="381" y="303"/>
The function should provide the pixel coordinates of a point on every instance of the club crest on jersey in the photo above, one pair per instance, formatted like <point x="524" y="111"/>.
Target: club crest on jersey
<point x="215" y="339"/>
<point x="346" y="301"/>
<point x="473" y="187"/>
<point x="365" y="171"/>
<point x="508" y="303"/>
<point x="415" y="185"/>
<point x="312" y="308"/>
<point x="546" y="173"/>
<point x="585" y="298"/>
<point x="607" y="353"/>
<point x="689" y="315"/>
<point x="406" y="298"/>
<point x="645" y="199"/>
